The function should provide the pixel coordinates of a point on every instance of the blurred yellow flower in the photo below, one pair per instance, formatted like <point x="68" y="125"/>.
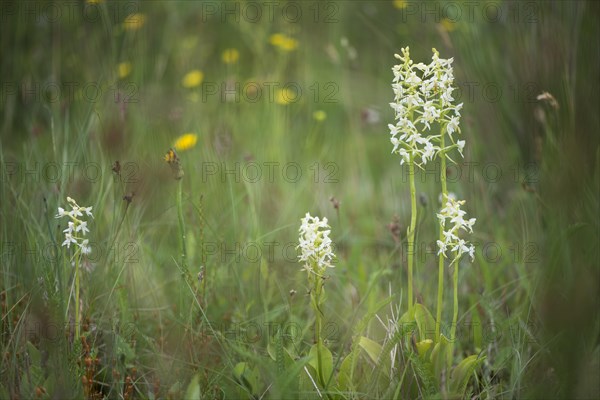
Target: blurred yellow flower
<point x="230" y="56"/>
<point x="283" y="42"/>
<point x="448" y="24"/>
<point x="192" y="79"/>
<point x="134" y="21"/>
<point x="124" y="69"/>
<point x="277" y="38"/>
<point x="285" y="96"/>
<point x="400" y="4"/>
<point x="94" y="1"/>
<point x="320" y="115"/>
<point x="185" y="141"/>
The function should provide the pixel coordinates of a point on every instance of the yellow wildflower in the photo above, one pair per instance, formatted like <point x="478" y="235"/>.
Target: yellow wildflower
<point x="124" y="69"/>
<point x="230" y="56"/>
<point x="185" y="141"/>
<point x="192" y="79"/>
<point x="283" y="42"/>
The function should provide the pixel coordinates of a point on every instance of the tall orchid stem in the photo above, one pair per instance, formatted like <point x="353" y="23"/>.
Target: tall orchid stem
<point x="411" y="232"/>
<point x="455" y="316"/>
<point x="318" y="323"/>
<point x="316" y="300"/>
<point x="440" y="295"/>
<point x="77" y="317"/>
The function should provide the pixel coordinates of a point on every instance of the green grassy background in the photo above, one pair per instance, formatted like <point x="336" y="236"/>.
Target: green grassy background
<point x="535" y="278"/>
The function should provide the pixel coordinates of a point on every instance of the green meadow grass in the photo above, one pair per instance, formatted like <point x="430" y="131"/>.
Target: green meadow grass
<point x="235" y="320"/>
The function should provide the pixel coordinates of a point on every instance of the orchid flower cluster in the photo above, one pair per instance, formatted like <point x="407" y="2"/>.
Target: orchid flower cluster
<point x="317" y="255"/>
<point x="422" y="97"/>
<point x="452" y="241"/>
<point x="315" y="245"/>
<point x="77" y="228"/>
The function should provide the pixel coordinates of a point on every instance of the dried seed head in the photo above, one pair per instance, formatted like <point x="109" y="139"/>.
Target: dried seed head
<point x="335" y="202"/>
<point x="129" y="197"/>
<point x="116" y="168"/>
<point x="545" y="96"/>
<point x="173" y="160"/>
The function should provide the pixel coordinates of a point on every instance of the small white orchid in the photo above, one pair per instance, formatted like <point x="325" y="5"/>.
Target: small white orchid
<point x="453" y="214"/>
<point x="76" y="227"/>
<point x="85" y="247"/>
<point x="68" y="240"/>
<point x="315" y="245"/>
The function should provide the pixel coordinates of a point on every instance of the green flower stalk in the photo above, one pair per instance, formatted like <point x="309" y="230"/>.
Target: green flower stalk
<point x="74" y="234"/>
<point x="181" y="227"/>
<point x="317" y="255"/>
<point x="173" y="160"/>
<point x="175" y="163"/>
<point x="411" y="229"/>
<point x="440" y="296"/>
